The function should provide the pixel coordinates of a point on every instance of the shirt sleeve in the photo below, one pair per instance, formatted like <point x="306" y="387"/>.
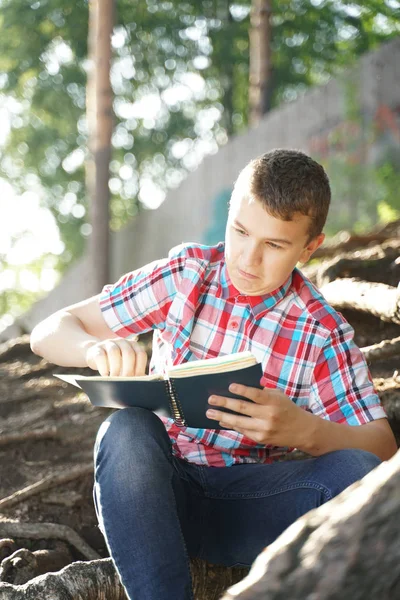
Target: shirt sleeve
<point x="342" y="388"/>
<point x="139" y="301"/>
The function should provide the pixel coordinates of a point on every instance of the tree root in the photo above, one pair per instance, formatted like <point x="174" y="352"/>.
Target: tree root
<point x="42" y="369"/>
<point x="15" y="348"/>
<point x="382" y="259"/>
<point x="28" y="419"/>
<point x="24" y="565"/>
<point x="346" y="549"/>
<point x="7" y="547"/>
<point x="349" y="244"/>
<point x="346" y="242"/>
<point x="377" y="299"/>
<point x="98" y="580"/>
<point x="95" y="580"/>
<point x="45" y="484"/>
<point x="47" y="531"/>
<point x="21" y="397"/>
<point x="385" y="349"/>
<point x="38" y="434"/>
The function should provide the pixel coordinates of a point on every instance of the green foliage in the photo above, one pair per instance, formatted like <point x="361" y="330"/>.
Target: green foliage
<point x="363" y="167"/>
<point x="16" y="297"/>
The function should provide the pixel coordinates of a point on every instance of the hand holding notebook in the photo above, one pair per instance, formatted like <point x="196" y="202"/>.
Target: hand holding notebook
<point x="182" y="394"/>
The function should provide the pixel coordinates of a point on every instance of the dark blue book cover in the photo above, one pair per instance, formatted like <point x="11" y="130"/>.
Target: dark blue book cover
<point x="182" y="398"/>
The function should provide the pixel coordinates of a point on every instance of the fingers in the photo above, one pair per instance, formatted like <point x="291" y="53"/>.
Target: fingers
<point x="96" y="358"/>
<point x="141" y="359"/>
<point x="252" y="393"/>
<point x="114" y="357"/>
<point x="134" y="359"/>
<point x="243" y="407"/>
<point x="247" y="415"/>
<point x="236" y="422"/>
<point x="117" y="358"/>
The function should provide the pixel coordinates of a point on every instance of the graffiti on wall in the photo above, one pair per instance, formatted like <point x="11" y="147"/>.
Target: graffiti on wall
<point x="362" y="158"/>
<point x="216" y="231"/>
<point x="356" y="136"/>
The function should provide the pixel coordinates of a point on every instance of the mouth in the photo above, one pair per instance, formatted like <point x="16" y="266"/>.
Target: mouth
<point x="247" y="275"/>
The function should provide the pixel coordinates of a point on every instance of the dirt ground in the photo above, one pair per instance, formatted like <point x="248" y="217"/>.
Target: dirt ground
<point x="32" y="400"/>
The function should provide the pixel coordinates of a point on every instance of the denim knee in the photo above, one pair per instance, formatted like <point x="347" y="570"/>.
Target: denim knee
<point x="129" y="426"/>
<point x="359" y="461"/>
<point x="342" y="468"/>
<point x="131" y="434"/>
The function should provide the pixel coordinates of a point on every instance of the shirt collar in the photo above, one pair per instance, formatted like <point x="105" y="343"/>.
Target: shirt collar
<point x="259" y="305"/>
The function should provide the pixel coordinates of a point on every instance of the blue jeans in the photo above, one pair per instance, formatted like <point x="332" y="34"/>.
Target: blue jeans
<point x="156" y="511"/>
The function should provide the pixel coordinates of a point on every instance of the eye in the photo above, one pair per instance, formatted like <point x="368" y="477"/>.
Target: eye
<point x="240" y="231"/>
<point x="274" y="246"/>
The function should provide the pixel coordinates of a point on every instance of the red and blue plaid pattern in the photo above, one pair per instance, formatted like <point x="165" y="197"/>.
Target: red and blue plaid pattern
<point x="306" y="348"/>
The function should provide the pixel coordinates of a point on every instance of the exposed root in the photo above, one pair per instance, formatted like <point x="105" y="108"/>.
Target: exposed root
<point x="45" y="484"/>
<point x="47" y="531"/>
<point x="38" y="434"/>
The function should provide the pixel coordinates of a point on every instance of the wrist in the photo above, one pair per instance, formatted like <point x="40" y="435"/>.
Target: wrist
<point x="310" y="436"/>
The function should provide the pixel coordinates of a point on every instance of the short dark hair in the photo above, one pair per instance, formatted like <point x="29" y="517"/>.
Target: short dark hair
<point x="287" y="182"/>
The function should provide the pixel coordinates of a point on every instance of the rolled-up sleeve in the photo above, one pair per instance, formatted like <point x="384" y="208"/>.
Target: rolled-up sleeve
<point x="139" y="301"/>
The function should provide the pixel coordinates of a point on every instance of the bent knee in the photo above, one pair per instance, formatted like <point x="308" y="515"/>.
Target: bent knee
<point x="361" y="461"/>
<point x="128" y="428"/>
<point x="345" y="467"/>
<point x="125" y="420"/>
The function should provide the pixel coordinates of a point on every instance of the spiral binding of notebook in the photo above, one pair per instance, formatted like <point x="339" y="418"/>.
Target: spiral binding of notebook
<point x="175" y="405"/>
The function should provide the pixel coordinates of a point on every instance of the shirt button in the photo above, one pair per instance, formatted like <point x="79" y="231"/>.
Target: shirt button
<point x="234" y="324"/>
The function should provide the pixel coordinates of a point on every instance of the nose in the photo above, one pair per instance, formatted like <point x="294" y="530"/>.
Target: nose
<point x="252" y="256"/>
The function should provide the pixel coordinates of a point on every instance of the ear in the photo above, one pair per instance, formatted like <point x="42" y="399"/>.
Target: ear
<point x="311" y="247"/>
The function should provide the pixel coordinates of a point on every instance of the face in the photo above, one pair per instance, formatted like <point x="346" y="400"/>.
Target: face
<point x="261" y="251"/>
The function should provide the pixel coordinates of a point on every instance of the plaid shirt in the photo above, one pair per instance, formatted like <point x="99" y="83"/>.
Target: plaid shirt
<point x="305" y="347"/>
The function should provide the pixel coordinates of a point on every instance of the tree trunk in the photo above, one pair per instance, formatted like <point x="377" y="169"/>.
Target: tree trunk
<point x="348" y="549"/>
<point x="228" y="89"/>
<point x="221" y="11"/>
<point x="260" y="60"/>
<point x="100" y="123"/>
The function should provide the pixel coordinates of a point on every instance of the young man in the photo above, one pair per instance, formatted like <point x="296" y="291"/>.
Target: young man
<point x="165" y="493"/>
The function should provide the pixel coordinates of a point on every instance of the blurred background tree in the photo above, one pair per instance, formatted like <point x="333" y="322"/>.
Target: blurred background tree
<point x="180" y="76"/>
<point x="99" y="117"/>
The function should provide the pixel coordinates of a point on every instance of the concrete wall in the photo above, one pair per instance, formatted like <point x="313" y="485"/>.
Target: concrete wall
<point x="187" y="211"/>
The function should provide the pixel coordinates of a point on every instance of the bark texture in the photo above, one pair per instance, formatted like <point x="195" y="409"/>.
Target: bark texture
<point x="346" y="241"/>
<point x="260" y="60"/>
<point x="95" y="580"/>
<point x="385" y="349"/>
<point x="347" y="549"/>
<point x="377" y="299"/>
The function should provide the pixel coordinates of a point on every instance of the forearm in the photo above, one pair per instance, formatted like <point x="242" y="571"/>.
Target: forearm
<point x="321" y="436"/>
<point x="62" y="339"/>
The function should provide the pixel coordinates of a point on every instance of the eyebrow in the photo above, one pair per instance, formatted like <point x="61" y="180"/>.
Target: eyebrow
<point x="279" y="240"/>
